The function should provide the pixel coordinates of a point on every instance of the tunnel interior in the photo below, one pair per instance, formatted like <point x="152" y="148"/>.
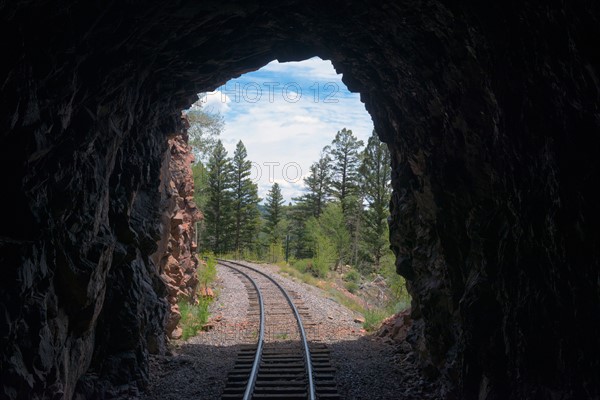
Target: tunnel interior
<point x="491" y="115"/>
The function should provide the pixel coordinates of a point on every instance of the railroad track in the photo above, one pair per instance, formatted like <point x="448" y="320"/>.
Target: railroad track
<point x="282" y="364"/>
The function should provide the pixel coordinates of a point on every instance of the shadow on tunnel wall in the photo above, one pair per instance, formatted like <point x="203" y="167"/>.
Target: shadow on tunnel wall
<point x="491" y="115"/>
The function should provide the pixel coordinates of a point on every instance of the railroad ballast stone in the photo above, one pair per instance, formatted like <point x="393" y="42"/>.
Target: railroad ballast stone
<point x="490" y="111"/>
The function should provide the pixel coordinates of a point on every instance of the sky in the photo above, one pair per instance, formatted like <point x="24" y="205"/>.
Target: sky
<point x="285" y="113"/>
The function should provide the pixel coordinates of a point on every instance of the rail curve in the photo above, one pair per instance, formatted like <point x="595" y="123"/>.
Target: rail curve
<point x="252" y="378"/>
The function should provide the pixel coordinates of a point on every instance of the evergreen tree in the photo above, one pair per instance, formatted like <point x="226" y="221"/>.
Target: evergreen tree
<point x="274" y="213"/>
<point x="318" y="187"/>
<point x="200" y="175"/>
<point x="218" y="213"/>
<point x="354" y="216"/>
<point x="376" y="172"/>
<point x="344" y="151"/>
<point x="300" y="246"/>
<point x="245" y="200"/>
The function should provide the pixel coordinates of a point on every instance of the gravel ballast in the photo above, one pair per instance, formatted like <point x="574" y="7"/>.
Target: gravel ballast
<point x="366" y="367"/>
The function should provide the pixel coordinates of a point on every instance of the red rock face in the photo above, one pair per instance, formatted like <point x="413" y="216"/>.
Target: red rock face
<point x="490" y="110"/>
<point x="396" y="327"/>
<point x="175" y="256"/>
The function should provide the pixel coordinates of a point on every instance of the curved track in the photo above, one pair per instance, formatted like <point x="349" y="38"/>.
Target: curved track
<point x="281" y="364"/>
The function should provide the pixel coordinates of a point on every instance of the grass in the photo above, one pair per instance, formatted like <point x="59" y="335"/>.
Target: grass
<point x="351" y="286"/>
<point x="281" y="336"/>
<point x="352" y="276"/>
<point x="344" y="300"/>
<point x="296" y="273"/>
<point x="304" y="270"/>
<point x="373" y="318"/>
<point x="193" y="316"/>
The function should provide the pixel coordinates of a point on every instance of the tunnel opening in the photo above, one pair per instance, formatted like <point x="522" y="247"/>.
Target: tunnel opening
<point x="491" y="116"/>
<point x="246" y="147"/>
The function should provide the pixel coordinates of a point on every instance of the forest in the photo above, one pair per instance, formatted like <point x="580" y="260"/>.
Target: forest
<point x="337" y="226"/>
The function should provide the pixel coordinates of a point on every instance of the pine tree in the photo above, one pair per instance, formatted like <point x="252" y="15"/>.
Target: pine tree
<point x="300" y="245"/>
<point x="218" y="212"/>
<point x="354" y="216"/>
<point x="376" y="172"/>
<point x="318" y="188"/>
<point x="245" y="200"/>
<point x="344" y="151"/>
<point x="200" y="175"/>
<point x="274" y="213"/>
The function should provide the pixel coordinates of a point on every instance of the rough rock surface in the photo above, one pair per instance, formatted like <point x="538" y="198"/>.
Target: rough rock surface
<point x="396" y="327"/>
<point x="491" y="114"/>
<point x="175" y="254"/>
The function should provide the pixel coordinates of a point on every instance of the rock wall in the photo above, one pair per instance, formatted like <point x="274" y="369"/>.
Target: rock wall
<point x="491" y="115"/>
<point x="80" y="298"/>
<point x="175" y="255"/>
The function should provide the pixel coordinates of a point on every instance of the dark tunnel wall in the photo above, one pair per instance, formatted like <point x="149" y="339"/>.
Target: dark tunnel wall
<point x="491" y="114"/>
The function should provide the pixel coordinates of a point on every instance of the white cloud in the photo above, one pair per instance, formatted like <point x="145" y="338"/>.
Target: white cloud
<point x="314" y="67"/>
<point x="278" y="132"/>
<point x="216" y="102"/>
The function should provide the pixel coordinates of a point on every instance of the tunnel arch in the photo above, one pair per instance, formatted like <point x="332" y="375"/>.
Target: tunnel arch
<point x="491" y="116"/>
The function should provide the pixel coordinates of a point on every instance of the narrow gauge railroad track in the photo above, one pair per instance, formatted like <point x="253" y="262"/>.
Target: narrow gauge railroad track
<point x="282" y="364"/>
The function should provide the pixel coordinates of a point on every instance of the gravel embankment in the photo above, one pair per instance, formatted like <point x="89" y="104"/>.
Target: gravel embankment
<point x="197" y="369"/>
<point x="367" y="368"/>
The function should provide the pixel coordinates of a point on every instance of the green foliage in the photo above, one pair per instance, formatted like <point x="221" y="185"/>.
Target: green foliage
<point x="274" y="214"/>
<point x="302" y="265"/>
<point x="193" y="316"/>
<point x="344" y="164"/>
<point x="218" y="214"/>
<point x="245" y="201"/>
<point x="400" y="298"/>
<point x="318" y="185"/>
<point x="346" y="186"/>
<point x="321" y="262"/>
<point x="324" y="252"/>
<point x="200" y="175"/>
<point x="376" y="172"/>
<point x="276" y="252"/>
<point x="354" y="217"/>
<point x="330" y="238"/>
<point x="352" y="276"/>
<point x="344" y="300"/>
<point x="373" y="318"/>
<point x="207" y="273"/>
<point x="351" y="286"/>
<point x="300" y="245"/>
<point x="205" y="127"/>
<point x="300" y="271"/>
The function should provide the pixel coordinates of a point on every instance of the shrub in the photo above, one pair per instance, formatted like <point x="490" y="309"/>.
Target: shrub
<point x="352" y="276"/>
<point x="373" y="318"/>
<point x="193" y="316"/>
<point x="320" y="267"/>
<point x="303" y="265"/>
<point x="351" y="286"/>
<point x="207" y="272"/>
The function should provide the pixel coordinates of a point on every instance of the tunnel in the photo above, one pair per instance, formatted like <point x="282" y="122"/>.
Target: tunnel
<point x="490" y="111"/>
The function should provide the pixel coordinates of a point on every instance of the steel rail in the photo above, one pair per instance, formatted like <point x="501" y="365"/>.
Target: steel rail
<point x="307" y="357"/>
<point x="261" y="336"/>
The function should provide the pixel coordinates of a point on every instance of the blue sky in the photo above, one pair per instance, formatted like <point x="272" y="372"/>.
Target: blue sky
<point x="285" y="113"/>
